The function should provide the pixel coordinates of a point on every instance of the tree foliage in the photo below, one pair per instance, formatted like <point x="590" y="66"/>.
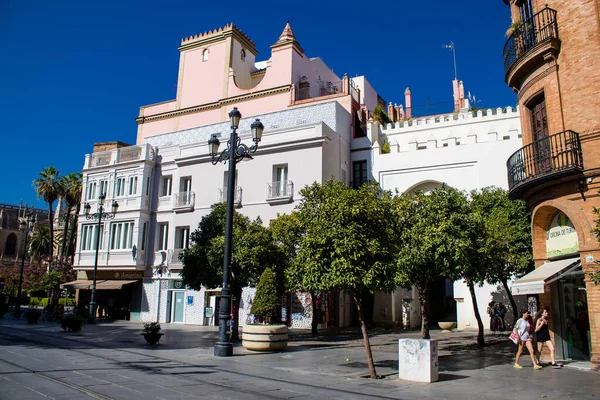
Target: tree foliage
<point x="505" y="243"/>
<point x="380" y="115"/>
<point x="267" y="303"/>
<point x="252" y="251"/>
<point x="348" y="244"/>
<point x="434" y="244"/>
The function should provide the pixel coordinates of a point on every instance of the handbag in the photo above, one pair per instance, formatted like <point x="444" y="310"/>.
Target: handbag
<point x="514" y="337"/>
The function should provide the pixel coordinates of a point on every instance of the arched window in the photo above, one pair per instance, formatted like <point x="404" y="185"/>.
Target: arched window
<point x="11" y="245"/>
<point x="243" y="55"/>
<point x="205" y="55"/>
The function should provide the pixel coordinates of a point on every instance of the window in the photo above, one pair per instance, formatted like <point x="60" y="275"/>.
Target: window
<point x="243" y="55"/>
<point x="91" y="191"/>
<point x="167" y="182"/>
<point x="525" y="10"/>
<point x="103" y="187"/>
<point x="121" y="235"/>
<point x="148" y="186"/>
<point x="144" y="232"/>
<point x="280" y="179"/>
<point x="133" y="182"/>
<point x="185" y="184"/>
<point x="182" y="237"/>
<point x="226" y="177"/>
<point x="205" y="55"/>
<point x="89" y="236"/>
<point x="120" y="187"/>
<point x="359" y="173"/>
<point x="163" y="236"/>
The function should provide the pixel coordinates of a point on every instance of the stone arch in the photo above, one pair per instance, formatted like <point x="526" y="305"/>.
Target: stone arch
<point x="10" y="247"/>
<point x="426" y="186"/>
<point x="541" y="217"/>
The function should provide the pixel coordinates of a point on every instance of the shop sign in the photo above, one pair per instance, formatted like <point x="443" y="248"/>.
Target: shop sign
<point x="129" y="275"/>
<point x="561" y="236"/>
<point x="208" y="312"/>
<point x="528" y="288"/>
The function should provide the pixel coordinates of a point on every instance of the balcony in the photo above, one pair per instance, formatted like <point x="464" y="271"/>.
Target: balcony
<point x="175" y="257"/>
<point x="184" y="201"/>
<point x="547" y="159"/>
<point x="280" y="192"/>
<point x="529" y="44"/>
<point x="237" y="198"/>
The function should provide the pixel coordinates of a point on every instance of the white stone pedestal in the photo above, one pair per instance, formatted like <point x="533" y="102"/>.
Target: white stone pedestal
<point x="418" y="360"/>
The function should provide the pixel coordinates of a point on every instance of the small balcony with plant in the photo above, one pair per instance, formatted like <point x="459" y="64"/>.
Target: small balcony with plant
<point x="551" y="158"/>
<point x="529" y="43"/>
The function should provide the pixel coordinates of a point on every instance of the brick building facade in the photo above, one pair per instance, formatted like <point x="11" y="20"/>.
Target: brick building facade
<point x="552" y="62"/>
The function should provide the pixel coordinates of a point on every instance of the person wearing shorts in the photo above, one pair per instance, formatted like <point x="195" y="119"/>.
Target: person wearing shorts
<point x="542" y="334"/>
<point x="522" y="329"/>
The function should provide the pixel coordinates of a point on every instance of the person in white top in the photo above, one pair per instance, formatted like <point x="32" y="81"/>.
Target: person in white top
<point x="522" y="328"/>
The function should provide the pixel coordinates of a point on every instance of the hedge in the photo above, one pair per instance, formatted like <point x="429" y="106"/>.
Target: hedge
<point x="43" y="301"/>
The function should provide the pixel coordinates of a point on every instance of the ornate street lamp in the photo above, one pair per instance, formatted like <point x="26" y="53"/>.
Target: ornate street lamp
<point x="99" y="216"/>
<point x="235" y="152"/>
<point x="26" y="225"/>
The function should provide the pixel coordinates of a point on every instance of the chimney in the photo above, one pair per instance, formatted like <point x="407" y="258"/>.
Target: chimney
<point x="391" y="112"/>
<point x="408" y="101"/>
<point x="459" y="95"/>
<point x="400" y="112"/>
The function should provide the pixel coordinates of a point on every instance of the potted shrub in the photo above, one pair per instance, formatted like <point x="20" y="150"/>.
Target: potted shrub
<point x="151" y="332"/>
<point x="71" y="322"/>
<point x="32" y="316"/>
<point x="269" y="334"/>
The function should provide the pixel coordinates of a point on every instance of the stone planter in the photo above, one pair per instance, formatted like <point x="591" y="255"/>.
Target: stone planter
<point x="152" y="338"/>
<point x="265" y="337"/>
<point x="418" y="360"/>
<point x="447" y="326"/>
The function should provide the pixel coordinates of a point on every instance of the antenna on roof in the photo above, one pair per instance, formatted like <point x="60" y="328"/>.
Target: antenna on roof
<point x="451" y="47"/>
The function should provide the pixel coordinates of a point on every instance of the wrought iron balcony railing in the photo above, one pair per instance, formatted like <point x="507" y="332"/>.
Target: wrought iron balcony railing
<point x="539" y="28"/>
<point x="222" y="195"/>
<point x="184" y="199"/>
<point x="547" y="158"/>
<point x="280" y="189"/>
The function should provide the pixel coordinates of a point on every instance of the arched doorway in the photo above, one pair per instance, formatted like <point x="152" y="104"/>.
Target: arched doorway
<point x="558" y="282"/>
<point x="10" y="248"/>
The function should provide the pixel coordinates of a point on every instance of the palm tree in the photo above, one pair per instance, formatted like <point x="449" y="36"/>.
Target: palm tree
<point x="39" y="244"/>
<point x="72" y="199"/>
<point x="46" y="187"/>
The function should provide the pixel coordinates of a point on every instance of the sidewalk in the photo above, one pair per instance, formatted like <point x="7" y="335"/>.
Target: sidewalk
<point x="334" y="360"/>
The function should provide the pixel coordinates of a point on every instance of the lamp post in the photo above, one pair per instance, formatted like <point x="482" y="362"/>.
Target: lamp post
<point x="99" y="216"/>
<point x="236" y="151"/>
<point x="25" y="226"/>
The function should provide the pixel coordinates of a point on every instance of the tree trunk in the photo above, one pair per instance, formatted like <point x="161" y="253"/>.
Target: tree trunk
<point x="424" y="316"/>
<point x="51" y="226"/>
<point x="363" y="328"/>
<point x="513" y="304"/>
<point x="73" y="232"/>
<point x="480" y="337"/>
<point x="314" y="323"/>
<point x="235" y="331"/>
<point x="64" y="236"/>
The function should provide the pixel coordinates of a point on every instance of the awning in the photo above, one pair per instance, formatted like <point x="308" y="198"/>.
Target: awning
<point x="85" y="284"/>
<point x="535" y="281"/>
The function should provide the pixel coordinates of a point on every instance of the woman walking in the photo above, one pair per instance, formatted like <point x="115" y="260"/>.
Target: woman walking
<point x="543" y="336"/>
<point x="522" y="328"/>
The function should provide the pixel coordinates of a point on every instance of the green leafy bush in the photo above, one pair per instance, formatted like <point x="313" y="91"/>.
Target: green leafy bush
<point x="267" y="305"/>
<point x="43" y="301"/>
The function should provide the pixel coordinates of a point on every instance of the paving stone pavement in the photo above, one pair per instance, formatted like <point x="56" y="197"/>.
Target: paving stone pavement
<point x="111" y="361"/>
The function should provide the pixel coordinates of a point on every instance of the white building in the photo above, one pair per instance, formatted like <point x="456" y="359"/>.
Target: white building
<point x="315" y="128"/>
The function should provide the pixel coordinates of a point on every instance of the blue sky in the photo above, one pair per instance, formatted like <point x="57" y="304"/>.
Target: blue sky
<point x="76" y="72"/>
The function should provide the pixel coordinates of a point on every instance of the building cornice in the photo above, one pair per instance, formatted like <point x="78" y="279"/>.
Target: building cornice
<point x="215" y="105"/>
